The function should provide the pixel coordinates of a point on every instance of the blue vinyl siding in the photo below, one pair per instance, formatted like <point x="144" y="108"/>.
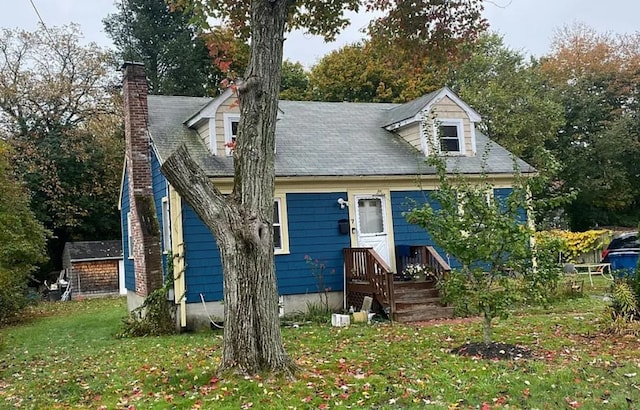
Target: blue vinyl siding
<point x="313" y="231"/>
<point x="202" y="259"/>
<point x="129" y="275"/>
<point x="408" y="234"/>
<point x="159" y="184"/>
<point x="501" y="195"/>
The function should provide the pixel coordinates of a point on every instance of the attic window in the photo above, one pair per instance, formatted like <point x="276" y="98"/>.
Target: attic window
<point x="231" y="122"/>
<point x="451" y="136"/>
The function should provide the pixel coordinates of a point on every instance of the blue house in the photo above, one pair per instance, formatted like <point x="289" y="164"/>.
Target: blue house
<point x="345" y="173"/>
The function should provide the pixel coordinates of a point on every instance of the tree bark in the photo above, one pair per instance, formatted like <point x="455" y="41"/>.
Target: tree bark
<point x="486" y="328"/>
<point x="242" y="222"/>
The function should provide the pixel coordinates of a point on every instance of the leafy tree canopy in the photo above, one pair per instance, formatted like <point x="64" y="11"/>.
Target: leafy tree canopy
<point x="595" y="77"/>
<point x="58" y="114"/>
<point x="295" y="82"/>
<point x="353" y="73"/>
<point x="175" y="54"/>
<point x="431" y="26"/>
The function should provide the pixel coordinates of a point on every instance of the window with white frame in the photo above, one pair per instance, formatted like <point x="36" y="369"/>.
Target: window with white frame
<point x="129" y="237"/>
<point x="166" y="225"/>
<point x="231" y="122"/>
<point x="277" y="225"/>
<point x="450" y="134"/>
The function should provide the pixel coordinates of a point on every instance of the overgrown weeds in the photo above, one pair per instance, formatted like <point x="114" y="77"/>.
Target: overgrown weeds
<point x="317" y="313"/>
<point x="157" y="314"/>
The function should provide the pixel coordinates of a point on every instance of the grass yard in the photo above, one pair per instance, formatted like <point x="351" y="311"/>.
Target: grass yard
<point x="66" y="356"/>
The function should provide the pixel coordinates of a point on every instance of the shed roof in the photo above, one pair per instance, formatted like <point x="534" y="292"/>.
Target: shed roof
<point x="97" y="250"/>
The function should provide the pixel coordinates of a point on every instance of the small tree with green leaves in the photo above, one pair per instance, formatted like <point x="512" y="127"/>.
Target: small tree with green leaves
<point x="488" y="236"/>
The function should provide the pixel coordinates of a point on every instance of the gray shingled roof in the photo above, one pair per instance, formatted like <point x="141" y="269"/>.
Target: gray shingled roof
<point x="320" y="139"/>
<point x="409" y="109"/>
<point x="94" y="249"/>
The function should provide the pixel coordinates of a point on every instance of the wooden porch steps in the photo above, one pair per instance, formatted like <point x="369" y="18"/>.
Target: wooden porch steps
<point x="423" y="313"/>
<point x="418" y="301"/>
<point x="367" y="274"/>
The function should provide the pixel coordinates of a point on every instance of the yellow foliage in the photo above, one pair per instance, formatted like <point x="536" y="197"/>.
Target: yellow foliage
<point x="575" y="244"/>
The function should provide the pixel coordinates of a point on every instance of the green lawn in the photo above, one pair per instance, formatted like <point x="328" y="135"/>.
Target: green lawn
<point x="67" y="357"/>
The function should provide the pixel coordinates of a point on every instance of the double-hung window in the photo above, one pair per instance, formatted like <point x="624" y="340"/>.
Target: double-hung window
<point x="450" y="136"/>
<point x="231" y="122"/>
<point x="129" y="237"/>
<point x="280" y="234"/>
<point x="277" y="225"/>
<point x="166" y="225"/>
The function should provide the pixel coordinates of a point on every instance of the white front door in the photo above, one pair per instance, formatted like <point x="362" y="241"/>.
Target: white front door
<point x="371" y="225"/>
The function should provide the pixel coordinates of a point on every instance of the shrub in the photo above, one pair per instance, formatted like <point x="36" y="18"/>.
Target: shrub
<point x="13" y="296"/>
<point x="316" y="313"/>
<point x="541" y="283"/>
<point x="22" y="242"/>
<point x="574" y="244"/>
<point x="157" y="315"/>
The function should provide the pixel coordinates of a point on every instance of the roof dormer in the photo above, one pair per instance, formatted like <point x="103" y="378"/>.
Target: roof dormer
<point x="217" y="122"/>
<point x="439" y="120"/>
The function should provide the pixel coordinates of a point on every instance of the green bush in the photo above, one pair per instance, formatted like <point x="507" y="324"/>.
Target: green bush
<point x="155" y="317"/>
<point x="541" y="283"/>
<point x="22" y="241"/>
<point x="157" y="314"/>
<point x="13" y="295"/>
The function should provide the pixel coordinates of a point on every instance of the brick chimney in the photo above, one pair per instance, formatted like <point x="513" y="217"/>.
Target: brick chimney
<point x="145" y="229"/>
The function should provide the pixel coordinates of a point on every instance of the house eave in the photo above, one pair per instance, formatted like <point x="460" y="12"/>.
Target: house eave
<point x="208" y="111"/>
<point x="106" y="258"/>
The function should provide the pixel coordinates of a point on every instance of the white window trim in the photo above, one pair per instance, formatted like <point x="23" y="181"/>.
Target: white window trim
<point x="281" y="200"/>
<point x="166" y="225"/>
<point x="228" y="119"/>
<point x="459" y="124"/>
<point x="213" y="141"/>
<point x="129" y="237"/>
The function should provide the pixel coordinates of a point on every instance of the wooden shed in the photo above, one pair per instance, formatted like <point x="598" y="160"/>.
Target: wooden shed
<point x="93" y="268"/>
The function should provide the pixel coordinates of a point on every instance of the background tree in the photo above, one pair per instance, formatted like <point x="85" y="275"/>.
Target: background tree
<point x="512" y="95"/>
<point x="58" y="115"/>
<point x="379" y="70"/>
<point x="242" y="221"/>
<point x="22" y="240"/>
<point x="353" y="73"/>
<point x="595" y="77"/>
<point x="175" y="54"/>
<point x="295" y="82"/>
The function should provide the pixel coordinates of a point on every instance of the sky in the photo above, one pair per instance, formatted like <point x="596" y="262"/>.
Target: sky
<point x="527" y="25"/>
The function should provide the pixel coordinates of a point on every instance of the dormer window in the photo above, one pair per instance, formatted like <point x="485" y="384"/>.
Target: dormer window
<point x="231" y="122"/>
<point x="449" y="141"/>
<point x="450" y="136"/>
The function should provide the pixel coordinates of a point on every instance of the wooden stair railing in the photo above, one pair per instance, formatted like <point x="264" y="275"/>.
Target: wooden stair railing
<point x="365" y="265"/>
<point x="427" y="256"/>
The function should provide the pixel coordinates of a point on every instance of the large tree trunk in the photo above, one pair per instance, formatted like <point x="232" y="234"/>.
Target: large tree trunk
<point x="242" y="222"/>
